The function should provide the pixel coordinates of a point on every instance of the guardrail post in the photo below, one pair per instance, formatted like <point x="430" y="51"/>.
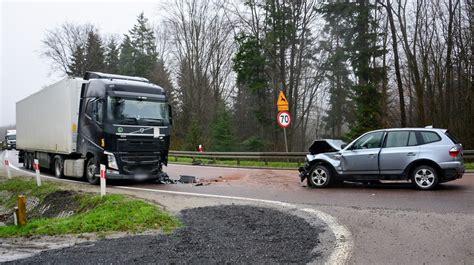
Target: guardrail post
<point x="238" y="161"/>
<point x="266" y="161"/>
<point x="176" y="159"/>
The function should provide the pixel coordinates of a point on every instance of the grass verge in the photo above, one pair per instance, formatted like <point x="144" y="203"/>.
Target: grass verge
<point x="112" y="213"/>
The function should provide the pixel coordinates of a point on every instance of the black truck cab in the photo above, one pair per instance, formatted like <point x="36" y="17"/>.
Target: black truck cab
<point x="125" y="124"/>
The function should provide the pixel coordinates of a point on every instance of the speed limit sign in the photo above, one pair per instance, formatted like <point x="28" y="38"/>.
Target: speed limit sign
<point x="284" y="119"/>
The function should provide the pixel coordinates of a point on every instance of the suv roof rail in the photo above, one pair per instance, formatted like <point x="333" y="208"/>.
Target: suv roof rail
<point x="98" y="75"/>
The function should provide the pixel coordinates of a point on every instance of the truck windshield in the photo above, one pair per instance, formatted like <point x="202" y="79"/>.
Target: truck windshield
<point x="11" y="137"/>
<point x="136" y="111"/>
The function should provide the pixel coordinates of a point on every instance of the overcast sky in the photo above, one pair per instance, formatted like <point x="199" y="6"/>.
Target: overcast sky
<point x="23" y="70"/>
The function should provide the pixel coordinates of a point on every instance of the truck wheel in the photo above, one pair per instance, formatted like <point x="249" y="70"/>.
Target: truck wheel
<point x="425" y="177"/>
<point x="91" y="170"/>
<point x="29" y="165"/>
<point x="25" y="161"/>
<point x="58" y="167"/>
<point x="320" y="176"/>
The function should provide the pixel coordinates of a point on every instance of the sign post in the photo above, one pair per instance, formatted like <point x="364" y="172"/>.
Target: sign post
<point x="102" y="181"/>
<point x="37" y="170"/>
<point x="284" y="118"/>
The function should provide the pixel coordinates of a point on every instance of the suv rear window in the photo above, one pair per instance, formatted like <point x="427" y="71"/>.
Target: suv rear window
<point x="430" y="137"/>
<point x="450" y="136"/>
<point x="397" y="139"/>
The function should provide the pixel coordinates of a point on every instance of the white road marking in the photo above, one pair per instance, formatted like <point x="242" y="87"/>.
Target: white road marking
<point x="344" y="241"/>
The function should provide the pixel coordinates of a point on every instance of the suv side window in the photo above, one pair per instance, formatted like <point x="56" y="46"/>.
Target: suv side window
<point x="397" y="139"/>
<point x="370" y="140"/>
<point x="413" y="140"/>
<point x="430" y="137"/>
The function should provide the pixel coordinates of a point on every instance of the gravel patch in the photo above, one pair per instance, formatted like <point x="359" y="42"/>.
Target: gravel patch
<point x="231" y="234"/>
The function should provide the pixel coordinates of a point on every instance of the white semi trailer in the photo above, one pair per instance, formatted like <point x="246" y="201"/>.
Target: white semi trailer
<point x="75" y="124"/>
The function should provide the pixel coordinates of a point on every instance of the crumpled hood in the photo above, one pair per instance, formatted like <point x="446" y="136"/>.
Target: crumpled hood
<point x="326" y="146"/>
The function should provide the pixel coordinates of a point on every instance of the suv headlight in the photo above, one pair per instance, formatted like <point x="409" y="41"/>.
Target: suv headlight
<point x="112" y="162"/>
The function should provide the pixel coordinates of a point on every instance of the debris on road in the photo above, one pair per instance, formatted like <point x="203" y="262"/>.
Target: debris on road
<point x="187" y="179"/>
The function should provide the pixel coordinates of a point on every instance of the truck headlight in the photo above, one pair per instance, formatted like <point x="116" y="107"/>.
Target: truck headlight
<point x="112" y="162"/>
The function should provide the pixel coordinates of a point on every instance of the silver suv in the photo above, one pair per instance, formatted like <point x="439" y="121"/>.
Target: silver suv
<point x="425" y="156"/>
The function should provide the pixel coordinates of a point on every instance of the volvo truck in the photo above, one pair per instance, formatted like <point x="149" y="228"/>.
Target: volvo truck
<point x="76" y="124"/>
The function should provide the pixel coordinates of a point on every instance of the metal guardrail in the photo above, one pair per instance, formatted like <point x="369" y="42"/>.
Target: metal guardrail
<point x="297" y="157"/>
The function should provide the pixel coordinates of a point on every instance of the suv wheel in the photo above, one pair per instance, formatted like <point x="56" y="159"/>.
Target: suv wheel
<point x="425" y="177"/>
<point x="91" y="170"/>
<point x="319" y="177"/>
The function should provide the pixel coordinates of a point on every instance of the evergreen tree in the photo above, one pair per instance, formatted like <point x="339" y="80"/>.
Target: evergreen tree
<point x="253" y="100"/>
<point x="364" y="51"/>
<point x="126" y="58"/>
<point x="162" y="77"/>
<point x="144" y="47"/>
<point x="112" y="57"/>
<point x="94" y="53"/>
<point x="78" y="62"/>
<point x="222" y="133"/>
<point x="360" y="44"/>
<point x="194" y="135"/>
<point x="335" y="45"/>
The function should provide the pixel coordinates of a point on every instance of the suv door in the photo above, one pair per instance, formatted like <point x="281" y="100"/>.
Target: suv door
<point x="362" y="156"/>
<point x="399" y="150"/>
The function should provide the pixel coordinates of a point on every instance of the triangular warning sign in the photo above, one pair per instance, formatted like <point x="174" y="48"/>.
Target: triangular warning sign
<point x="282" y="102"/>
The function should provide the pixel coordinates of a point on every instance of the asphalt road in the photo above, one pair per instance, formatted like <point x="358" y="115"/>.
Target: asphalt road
<point x="391" y="223"/>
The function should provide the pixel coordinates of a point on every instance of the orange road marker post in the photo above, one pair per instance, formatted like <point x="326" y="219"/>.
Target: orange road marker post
<point x="21" y="210"/>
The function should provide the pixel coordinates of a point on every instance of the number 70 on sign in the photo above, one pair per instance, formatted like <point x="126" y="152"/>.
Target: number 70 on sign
<point x="284" y="119"/>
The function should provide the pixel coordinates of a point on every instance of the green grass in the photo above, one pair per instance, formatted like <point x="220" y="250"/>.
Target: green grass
<point x="469" y="165"/>
<point x="99" y="215"/>
<point x="243" y="163"/>
<point x="24" y="187"/>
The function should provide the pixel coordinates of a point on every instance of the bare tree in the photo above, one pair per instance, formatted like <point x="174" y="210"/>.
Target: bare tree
<point x="60" y="43"/>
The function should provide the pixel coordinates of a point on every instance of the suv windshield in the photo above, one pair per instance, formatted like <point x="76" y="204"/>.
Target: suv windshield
<point x="136" y="111"/>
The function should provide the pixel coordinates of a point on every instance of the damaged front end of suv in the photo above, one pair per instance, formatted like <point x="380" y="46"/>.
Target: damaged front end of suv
<point x="325" y="152"/>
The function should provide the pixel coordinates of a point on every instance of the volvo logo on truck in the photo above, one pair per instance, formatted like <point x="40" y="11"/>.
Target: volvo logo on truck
<point x="76" y="124"/>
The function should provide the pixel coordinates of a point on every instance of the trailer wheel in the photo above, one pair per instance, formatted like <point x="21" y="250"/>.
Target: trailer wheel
<point x="58" y="167"/>
<point x="25" y="161"/>
<point x="91" y="171"/>
<point x="29" y="164"/>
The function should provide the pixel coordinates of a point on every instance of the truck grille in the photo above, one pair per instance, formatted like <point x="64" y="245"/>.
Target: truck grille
<point x="139" y="145"/>
<point x="140" y="163"/>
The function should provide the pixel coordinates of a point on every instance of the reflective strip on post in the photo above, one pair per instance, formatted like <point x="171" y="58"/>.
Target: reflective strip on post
<point x="102" y="181"/>
<point x="37" y="170"/>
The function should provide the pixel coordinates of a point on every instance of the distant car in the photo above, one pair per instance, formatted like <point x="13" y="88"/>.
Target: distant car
<point x="425" y="156"/>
